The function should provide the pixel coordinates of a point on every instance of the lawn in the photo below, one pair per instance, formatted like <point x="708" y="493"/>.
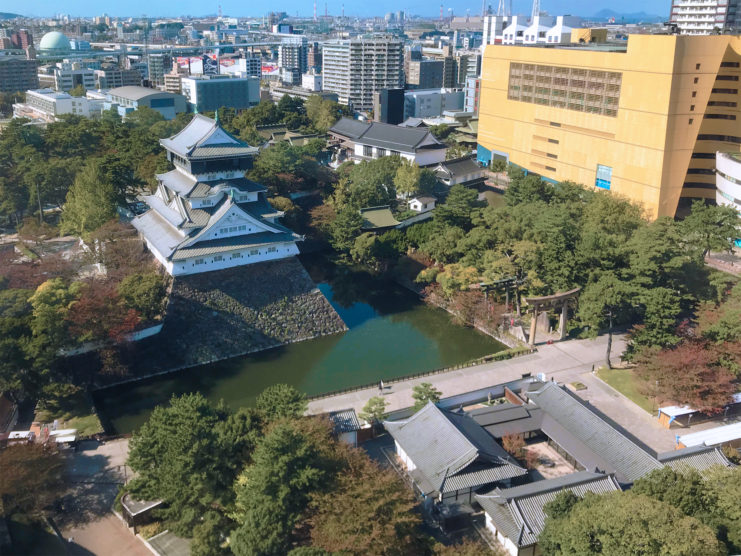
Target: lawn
<point x="625" y="382"/>
<point x="494" y="199"/>
<point x="73" y="412"/>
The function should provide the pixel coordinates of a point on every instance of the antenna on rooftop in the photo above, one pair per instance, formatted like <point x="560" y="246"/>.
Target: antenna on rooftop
<point x="441" y="11"/>
<point x="314" y="10"/>
<point x="536" y="9"/>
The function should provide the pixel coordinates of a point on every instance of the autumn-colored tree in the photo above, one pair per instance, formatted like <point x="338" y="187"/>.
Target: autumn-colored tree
<point x="514" y="444"/>
<point x="99" y="314"/>
<point x="31" y="478"/>
<point x="690" y="373"/>
<point x="369" y="511"/>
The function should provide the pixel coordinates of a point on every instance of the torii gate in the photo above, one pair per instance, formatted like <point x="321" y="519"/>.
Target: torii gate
<point x="554" y="301"/>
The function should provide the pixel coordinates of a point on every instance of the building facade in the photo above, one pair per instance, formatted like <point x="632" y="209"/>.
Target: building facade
<point x="355" y="69"/>
<point x="110" y="78"/>
<point x="127" y="99"/>
<point x="728" y="180"/>
<point x="68" y="75"/>
<point x="211" y="92"/>
<point x="643" y="120"/>
<point x="293" y="58"/>
<point x="425" y="74"/>
<point x="205" y="215"/>
<point x="431" y="103"/>
<point x="17" y="74"/>
<point x="706" y="17"/>
<point x="47" y="105"/>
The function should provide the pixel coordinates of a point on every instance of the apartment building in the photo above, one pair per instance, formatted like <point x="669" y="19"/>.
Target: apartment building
<point x="110" y="78"/>
<point x="643" y="120"/>
<point x="293" y="59"/>
<point x="706" y="17"/>
<point x="357" y="68"/>
<point x="17" y="74"/>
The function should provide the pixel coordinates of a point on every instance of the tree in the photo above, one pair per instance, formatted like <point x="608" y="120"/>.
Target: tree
<point x="144" y="117"/>
<point x="31" y="480"/>
<point x="690" y="373"/>
<point x="98" y="314"/>
<point x="345" y="229"/>
<point x="294" y="460"/>
<point x="368" y="511"/>
<point x="78" y="91"/>
<point x="180" y="457"/>
<point x="143" y="292"/>
<point x="209" y="536"/>
<point x="602" y="303"/>
<point x="684" y="490"/>
<point x="524" y="189"/>
<point x="710" y="227"/>
<point x="458" y="207"/>
<point x="622" y="523"/>
<point x="723" y="487"/>
<point x="424" y="393"/>
<point x="51" y="304"/>
<point x="91" y="201"/>
<point x="407" y="179"/>
<point x="281" y="400"/>
<point x="561" y="505"/>
<point x="514" y="444"/>
<point x="374" y="411"/>
<point x="457" y="278"/>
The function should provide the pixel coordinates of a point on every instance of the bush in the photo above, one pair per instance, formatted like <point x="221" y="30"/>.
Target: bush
<point x="144" y="292"/>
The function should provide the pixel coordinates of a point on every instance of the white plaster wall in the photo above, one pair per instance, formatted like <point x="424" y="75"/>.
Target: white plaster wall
<point x="408" y="463"/>
<point x="211" y="262"/>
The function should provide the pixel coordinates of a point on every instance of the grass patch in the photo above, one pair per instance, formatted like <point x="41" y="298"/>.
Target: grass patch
<point x="26" y="252"/>
<point x="625" y="382"/>
<point x="578" y="386"/>
<point x="73" y="412"/>
<point x="494" y="199"/>
<point x="150" y="529"/>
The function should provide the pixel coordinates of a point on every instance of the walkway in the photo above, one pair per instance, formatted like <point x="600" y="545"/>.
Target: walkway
<point x="566" y="362"/>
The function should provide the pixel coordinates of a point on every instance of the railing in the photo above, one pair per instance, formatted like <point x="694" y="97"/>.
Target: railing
<point x="499" y="356"/>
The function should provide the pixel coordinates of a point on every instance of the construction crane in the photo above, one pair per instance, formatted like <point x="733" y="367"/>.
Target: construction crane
<point x="536" y="9"/>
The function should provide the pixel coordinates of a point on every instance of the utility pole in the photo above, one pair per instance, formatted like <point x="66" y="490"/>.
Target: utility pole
<point x="41" y="212"/>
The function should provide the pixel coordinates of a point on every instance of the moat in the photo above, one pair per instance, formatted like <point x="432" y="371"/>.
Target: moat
<point x="391" y="334"/>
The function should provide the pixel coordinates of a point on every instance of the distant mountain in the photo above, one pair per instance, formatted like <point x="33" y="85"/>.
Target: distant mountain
<point x="628" y="18"/>
<point x="6" y="15"/>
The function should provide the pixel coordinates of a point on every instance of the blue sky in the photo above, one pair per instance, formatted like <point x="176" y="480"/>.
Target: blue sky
<point x="305" y="7"/>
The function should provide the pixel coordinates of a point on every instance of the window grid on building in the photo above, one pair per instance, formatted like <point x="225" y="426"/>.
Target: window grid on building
<point x="596" y="92"/>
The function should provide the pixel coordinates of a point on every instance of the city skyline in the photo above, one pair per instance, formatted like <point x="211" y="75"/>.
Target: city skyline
<point x="89" y="8"/>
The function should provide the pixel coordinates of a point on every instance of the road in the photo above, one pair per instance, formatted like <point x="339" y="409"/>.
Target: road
<point x="566" y="362"/>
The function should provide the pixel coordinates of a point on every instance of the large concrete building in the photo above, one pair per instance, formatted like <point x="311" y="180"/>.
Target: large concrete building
<point x="293" y="58"/>
<point x="643" y="120"/>
<point x="110" y="78"/>
<point x="46" y="105"/>
<point x="356" y="69"/>
<point x="706" y="17"/>
<point x="17" y="74"/>
<point x="127" y="99"/>
<point x="211" y="92"/>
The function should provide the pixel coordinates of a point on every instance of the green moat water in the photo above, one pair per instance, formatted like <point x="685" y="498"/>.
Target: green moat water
<point x="391" y="334"/>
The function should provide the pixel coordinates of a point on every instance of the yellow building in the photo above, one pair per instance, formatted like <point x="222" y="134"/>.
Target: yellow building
<point x="644" y="120"/>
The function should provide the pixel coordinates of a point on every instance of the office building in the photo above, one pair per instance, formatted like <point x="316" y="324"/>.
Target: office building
<point x="357" y="68"/>
<point x="159" y="65"/>
<point x="472" y="94"/>
<point x="293" y="58"/>
<point x="46" y="105"/>
<point x="110" y="78"/>
<point x="249" y="66"/>
<point x="431" y="103"/>
<point x="642" y="119"/>
<point x="706" y="17"/>
<point x="211" y="92"/>
<point x="17" y="74"/>
<point x="728" y="179"/>
<point x="388" y="106"/>
<point x="127" y="99"/>
<point x="425" y="74"/>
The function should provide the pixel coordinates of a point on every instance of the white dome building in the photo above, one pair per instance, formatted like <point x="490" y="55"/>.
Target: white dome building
<point x="54" y="43"/>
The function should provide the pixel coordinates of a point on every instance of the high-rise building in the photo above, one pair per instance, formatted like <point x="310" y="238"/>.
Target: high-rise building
<point x="706" y="17"/>
<point x="21" y="39"/>
<point x="173" y="79"/>
<point x="643" y="119"/>
<point x="211" y="92"/>
<point x="426" y="74"/>
<point x="18" y="74"/>
<point x="472" y="94"/>
<point x="159" y="65"/>
<point x="314" y="57"/>
<point x="388" y="106"/>
<point x="293" y="57"/>
<point x="357" y="68"/>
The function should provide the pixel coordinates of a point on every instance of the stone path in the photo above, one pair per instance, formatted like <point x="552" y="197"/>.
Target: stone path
<point x="565" y="362"/>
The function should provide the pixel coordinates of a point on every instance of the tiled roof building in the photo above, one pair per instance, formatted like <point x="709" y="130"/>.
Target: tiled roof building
<point x="205" y="215"/>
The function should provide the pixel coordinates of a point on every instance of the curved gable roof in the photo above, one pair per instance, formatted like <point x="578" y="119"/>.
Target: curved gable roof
<point x="204" y="137"/>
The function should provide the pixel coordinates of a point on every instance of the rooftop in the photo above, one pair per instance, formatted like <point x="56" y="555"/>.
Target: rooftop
<point x="392" y="137"/>
<point x="205" y="138"/>
<point x="378" y="217"/>
<point x="134" y="92"/>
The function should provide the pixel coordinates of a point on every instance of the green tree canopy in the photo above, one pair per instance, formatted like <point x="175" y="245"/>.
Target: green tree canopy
<point x="281" y="400"/>
<point x="424" y="393"/>
<point x="91" y="201"/>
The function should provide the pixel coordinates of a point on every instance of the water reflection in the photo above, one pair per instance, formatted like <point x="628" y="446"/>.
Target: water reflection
<point x="391" y="333"/>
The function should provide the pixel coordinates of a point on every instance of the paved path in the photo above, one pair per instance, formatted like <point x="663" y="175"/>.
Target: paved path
<point x="562" y="361"/>
<point x="565" y="362"/>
